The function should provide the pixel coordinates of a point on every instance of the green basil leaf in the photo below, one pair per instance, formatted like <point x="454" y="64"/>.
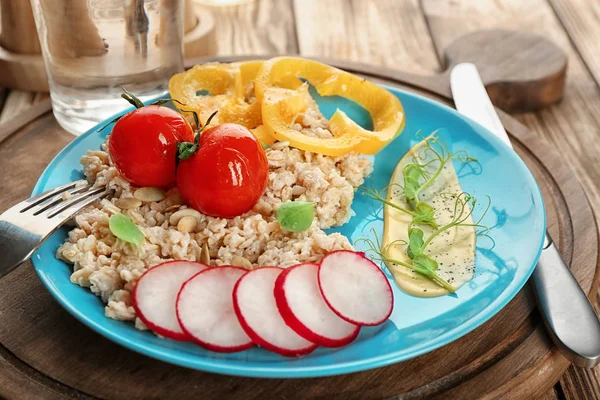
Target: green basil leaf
<point x="296" y="216"/>
<point x="124" y="229"/>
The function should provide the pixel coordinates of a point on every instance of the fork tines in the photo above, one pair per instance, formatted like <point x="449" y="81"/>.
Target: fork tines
<point x="76" y="203"/>
<point x="54" y="202"/>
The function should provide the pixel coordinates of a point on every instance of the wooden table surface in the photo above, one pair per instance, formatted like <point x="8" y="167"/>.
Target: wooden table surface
<point x="410" y="35"/>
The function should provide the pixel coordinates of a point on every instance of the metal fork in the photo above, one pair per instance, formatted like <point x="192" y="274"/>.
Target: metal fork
<point x="25" y="226"/>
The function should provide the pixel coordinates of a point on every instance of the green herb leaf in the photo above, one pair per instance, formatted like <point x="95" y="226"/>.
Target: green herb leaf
<point x="412" y="171"/>
<point x="296" y="216"/>
<point x="423" y="262"/>
<point x="415" y="243"/>
<point x="124" y="229"/>
<point x="411" y="189"/>
<point x="424" y="214"/>
<point x="265" y="146"/>
<point x="427" y="266"/>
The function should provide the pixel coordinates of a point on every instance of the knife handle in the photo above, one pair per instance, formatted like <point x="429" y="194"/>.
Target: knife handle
<point x="569" y="317"/>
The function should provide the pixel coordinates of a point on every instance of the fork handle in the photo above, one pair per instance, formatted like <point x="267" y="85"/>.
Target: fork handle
<point x="567" y="313"/>
<point x="16" y="246"/>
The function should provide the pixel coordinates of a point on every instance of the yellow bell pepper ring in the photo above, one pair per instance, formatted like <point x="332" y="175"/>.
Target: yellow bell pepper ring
<point x="263" y="135"/>
<point x="220" y="80"/>
<point x="385" y="109"/>
<point x="227" y="85"/>
<point x="279" y="108"/>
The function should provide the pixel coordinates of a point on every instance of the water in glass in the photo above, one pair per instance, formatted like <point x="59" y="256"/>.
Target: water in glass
<point x="94" y="48"/>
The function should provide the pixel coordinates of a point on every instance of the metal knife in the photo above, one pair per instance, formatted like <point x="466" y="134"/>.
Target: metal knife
<point x="568" y="315"/>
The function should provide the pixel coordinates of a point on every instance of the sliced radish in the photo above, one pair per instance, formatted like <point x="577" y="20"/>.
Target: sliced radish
<point x="155" y="294"/>
<point x="303" y="308"/>
<point x="205" y="310"/>
<point x="255" y="307"/>
<point x="355" y="288"/>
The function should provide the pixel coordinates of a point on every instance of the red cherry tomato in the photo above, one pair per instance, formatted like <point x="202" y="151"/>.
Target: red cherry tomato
<point x="143" y="148"/>
<point x="227" y="175"/>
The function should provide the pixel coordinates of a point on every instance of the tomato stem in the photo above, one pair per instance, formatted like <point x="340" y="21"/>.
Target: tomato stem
<point x="131" y="98"/>
<point x="187" y="149"/>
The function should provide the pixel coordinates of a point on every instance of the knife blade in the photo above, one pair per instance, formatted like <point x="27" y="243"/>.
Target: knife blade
<point x="568" y="315"/>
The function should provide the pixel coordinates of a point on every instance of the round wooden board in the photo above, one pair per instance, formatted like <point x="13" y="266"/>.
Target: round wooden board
<point x="46" y="353"/>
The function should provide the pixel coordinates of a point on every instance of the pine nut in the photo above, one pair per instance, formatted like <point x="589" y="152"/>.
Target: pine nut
<point x="187" y="224"/>
<point x="149" y="194"/>
<point x="239" y="261"/>
<point x="128" y="203"/>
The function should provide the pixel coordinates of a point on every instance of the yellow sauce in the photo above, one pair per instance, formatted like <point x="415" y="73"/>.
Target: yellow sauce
<point x="454" y="249"/>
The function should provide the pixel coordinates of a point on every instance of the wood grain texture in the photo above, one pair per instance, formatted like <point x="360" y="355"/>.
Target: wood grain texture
<point x="573" y="125"/>
<point x="17" y="102"/>
<point x="578" y="383"/>
<point x="19" y="108"/>
<point x="18" y="33"/>
<point x="384" y="32"/>
<point x="550" y="395"/>
<point x="201" y="39"/>
<point x="521" y="71"/>
<point x="260" y="27"/>
<point x="581" y="20"/>
<point x="23" y="71"/>
<point x="581" y="384"/>
<point x="189" y="17"/>
<point x="28" y="114"/>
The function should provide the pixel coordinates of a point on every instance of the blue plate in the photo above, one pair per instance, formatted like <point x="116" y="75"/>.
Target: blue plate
<point x="417" y="325"/>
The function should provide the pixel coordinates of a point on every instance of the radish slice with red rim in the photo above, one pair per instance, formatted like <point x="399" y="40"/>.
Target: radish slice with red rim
<point x="355" y="288"/>
<point x="205" y="310"/>
<point x="303" y="308"/>
<point x="255" y="307"/>
<point x="155" y="294"/>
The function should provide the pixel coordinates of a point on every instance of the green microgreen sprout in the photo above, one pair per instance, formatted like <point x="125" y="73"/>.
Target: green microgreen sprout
<point x="434" y="153"/>
<point x="417" y="243"/>
<point x="464" y="206"/>
<point x="422" y="214"/>
<point x="428" y="163"/>
<point x="421" y="263"/>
